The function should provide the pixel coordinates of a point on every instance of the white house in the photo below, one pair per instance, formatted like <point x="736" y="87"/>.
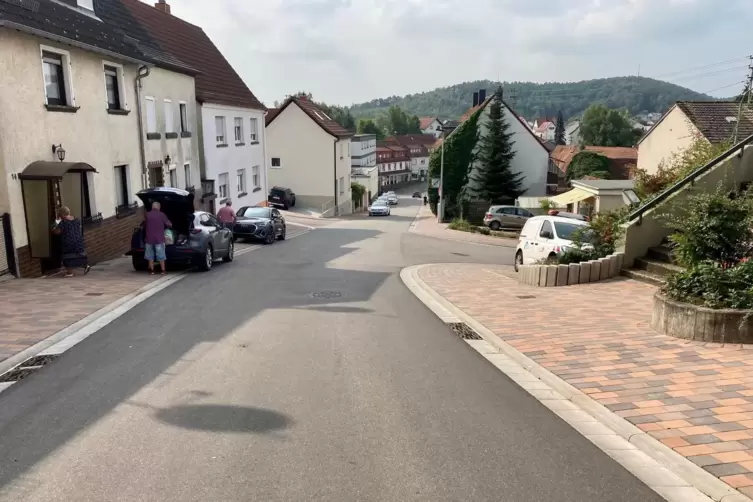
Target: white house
<point x="418" y="148"/>
<point x="363" y="150"/>
<point x="229" y="118"/>
<point x="310" y="153"/>
<point x="431" y="126"/>
<point x="69" y="132"/>
<point x="546" y="131"/>
<point x="531" y="157"/>
<point x="572" y="133"/>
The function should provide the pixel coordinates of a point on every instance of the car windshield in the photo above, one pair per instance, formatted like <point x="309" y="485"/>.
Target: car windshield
<point x="379" y="203"/>
<point x="253" y="212"/>
<point x="566" y="230"/>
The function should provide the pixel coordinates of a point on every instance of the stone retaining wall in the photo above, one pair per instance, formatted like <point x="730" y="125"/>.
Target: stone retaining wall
<point x="572" y="274"/>
<point x="690" y="322"/>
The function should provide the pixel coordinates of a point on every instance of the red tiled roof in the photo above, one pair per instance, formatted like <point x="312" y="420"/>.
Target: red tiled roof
<point x="315" y="113"/>
<point x="426" y="122"/>
<point x="622" y="159"/>
<point x="415" y="139"/>
<point x="218" y="82"/>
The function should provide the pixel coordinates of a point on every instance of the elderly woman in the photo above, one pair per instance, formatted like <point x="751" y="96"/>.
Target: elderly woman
<point x="72" y="236"/>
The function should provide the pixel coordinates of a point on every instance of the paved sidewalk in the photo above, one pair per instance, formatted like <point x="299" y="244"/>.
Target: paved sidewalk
<point x="695" y="398"/>
<point x="35" y="309"/>
<point x="426" y="224"/>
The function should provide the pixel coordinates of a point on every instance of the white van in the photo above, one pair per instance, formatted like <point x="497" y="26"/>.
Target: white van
<point x="544" y="237"/>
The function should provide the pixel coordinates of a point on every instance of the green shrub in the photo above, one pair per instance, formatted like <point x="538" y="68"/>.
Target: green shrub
<point x="484" y="230"/>
<point x="708" y="284"/>
<point x="596" y="240"/>
<point x="462" y="225"/>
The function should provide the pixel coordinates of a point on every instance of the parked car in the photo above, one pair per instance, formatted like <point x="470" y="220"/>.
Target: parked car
<point x="392" y="199"/>
<point x="506" y="217"/>
<point x="281" y="196"/>
<point x="264" y="224"/>
<point x="379" y="208"/>
<point x="199" y="239"/>
<point x="416" y="195"/>
<point x="545" y="237"/>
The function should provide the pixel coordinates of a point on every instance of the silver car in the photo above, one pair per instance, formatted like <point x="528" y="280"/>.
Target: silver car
<point x="498" y="217"/>
<point x="379" y="208"/>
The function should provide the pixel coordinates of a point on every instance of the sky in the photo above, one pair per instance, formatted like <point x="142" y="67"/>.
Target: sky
<point x="350" y="51"/>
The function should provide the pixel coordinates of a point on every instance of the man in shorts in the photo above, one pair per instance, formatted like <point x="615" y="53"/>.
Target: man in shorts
<point x="156" y="223"/>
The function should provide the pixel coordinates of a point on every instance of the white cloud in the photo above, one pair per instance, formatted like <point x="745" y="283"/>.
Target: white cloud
<point x="346" y="51"/>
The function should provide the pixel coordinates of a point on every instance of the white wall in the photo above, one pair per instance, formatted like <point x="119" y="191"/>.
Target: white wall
<point x="160" y="85"/>
<point x="306" y="153"/>
<point x="28" y="130"/>
<point x="432" y="129"/>
<point x="418" y="166"/>
<point x="531" y="158"/>
<point x="232" y="158"/>
<point x="363" y="152"/>
<point x="674" y="134"/>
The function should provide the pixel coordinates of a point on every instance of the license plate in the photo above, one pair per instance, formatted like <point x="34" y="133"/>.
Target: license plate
<point x="276" y="198"/>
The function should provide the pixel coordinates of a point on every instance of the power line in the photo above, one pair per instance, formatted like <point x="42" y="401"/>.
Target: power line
<point x="724" y="87"/>
<point x="678" y="72"/>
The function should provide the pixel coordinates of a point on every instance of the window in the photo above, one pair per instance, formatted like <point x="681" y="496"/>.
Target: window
<point x="174" y="178"/>
<point x="112" y="86"/>
<point x="54" y="78"/>
<point x="183" y="117"/>
<point x="169" y="126"/>
<point x="506" y="210"/>
<point x="276" y="163"/>
<point x="121" y="186"/>
<point x="151" y="115"/>
<point x="253" y="128"/>
<point x="523" y="212"/>
<point x="241" y="181"/>
<point x="222" y="183"/>
<point x="86" y="4"/>
<point x="219" y="125"/>
<point x="187" y="175"/>
<point x="342" y="149"/>
<point x="546" y="227"/>
<point x="342" y="185"/>
<point x="238" y="130"/>
<point x="255" y="179"/>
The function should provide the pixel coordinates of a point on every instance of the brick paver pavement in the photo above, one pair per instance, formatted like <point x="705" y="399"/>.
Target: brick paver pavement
<point x="34" y="309"/>
<point x="426" y="224"/>
<point x="695" y="398"/>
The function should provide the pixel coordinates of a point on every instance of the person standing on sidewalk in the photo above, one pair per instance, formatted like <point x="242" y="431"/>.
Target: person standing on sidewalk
<point x="72" y="242"/>
<point x="156" y="224"/>
<point x="226" y="215"/>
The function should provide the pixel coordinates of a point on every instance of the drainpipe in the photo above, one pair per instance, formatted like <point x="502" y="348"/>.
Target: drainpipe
<point x="264" y="151"/>
<point x="337" y="208"/>
<point x="142" y="74"/>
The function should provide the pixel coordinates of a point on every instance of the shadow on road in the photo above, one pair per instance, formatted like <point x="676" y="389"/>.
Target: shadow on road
<point x="224" y="418"/>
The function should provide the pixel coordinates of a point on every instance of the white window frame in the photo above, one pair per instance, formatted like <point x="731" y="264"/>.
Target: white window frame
<point x="238" y="130"/>
<point x="254" y="130"/>
<point x="172" y="171"/>
<point x="183" y="127"/>
<point x="86" y="4"/>
<point x="256" y="177"/>
<point x="220" y="136"/>
<point x="220" y="185"/>
<point x="153" y="115"/>
<point x="241" y="181"/>
<point x="65" y="57"/>
<point x="342" y="185"/>
<point x="169" y="115"/>
<point x="126" y="180"/>
<point x="272" y="163"/>
<point x="187" y="174"/>
<point x="121" y="83"/>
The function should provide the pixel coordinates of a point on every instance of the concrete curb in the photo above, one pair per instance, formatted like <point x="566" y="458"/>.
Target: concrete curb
<point x="414" y="230"/>
<point x="692" y="483"/>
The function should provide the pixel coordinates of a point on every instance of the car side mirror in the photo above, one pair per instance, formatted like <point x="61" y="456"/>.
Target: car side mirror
<point x="546" y="234"/>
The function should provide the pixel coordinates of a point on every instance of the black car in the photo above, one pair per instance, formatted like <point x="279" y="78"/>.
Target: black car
<point x="416" y="195"/>
<point x="264" y="224"/>
<point x="199" y="237"/>
<point x="281" y="196"/>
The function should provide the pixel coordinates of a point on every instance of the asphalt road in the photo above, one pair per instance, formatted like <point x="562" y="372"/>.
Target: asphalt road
<point x="302" y="371"/>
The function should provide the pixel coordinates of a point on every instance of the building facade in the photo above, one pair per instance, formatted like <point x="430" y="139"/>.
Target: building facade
<point x="431" y="126"/>
<point x="419" y="147"/>
<point x="363" y="150"/>
<point x="393" y="162"/>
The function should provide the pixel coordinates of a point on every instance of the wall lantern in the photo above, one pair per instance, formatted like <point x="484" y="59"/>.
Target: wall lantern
<point x="59" y="151"/>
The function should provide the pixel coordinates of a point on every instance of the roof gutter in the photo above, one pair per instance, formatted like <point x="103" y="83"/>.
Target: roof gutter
<point x="141" y="75"/>
<point x="334" y="167"/>
<point x="43" y="34"/>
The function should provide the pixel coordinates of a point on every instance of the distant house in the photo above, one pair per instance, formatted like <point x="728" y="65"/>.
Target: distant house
<point x="310" y="154"/>
<point x="545" y="130"/>
<point x="572" y="133"/>
<point x="622" y="160"/>
<point x="363" y="164"/>
<point x="591" y="196"/>
<point x="393" y="161"/>
<point x="715" y="121"/>
<point x="419" y="149"/>
<point x="432" y="126"/>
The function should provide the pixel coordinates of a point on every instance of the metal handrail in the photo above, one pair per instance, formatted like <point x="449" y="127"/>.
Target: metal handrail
<point x="689" y="179"/>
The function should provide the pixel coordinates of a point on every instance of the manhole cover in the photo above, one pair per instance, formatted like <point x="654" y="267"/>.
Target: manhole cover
<point x="327" y="294"/>
<point x="464" y="331"/>
<point x="27" y="367"/>
<point x="526" y="297"/>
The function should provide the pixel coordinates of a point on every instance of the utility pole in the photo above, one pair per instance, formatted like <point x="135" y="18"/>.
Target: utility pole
<point x="440" y="205"/>
<point x="744" y="98"/>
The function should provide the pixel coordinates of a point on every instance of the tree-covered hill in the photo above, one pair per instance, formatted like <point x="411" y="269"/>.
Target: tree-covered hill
<point x="636" y="94"/>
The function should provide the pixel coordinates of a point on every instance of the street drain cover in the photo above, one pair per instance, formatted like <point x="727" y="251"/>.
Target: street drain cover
<point x="27" y="367"/>
<point x="464" y="331"/>
<point x="327" y="294"/>
<point x="93" y="294"/>
<point x="526" y="297"/>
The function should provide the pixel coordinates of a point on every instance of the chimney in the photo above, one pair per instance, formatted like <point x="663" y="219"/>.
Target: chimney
<point x="481" y="95"/>
<point x="163" y="6"/>
<point x="475" y="99"/>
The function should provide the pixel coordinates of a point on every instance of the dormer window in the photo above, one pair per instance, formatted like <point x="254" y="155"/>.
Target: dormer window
<point x="86" y="4"/>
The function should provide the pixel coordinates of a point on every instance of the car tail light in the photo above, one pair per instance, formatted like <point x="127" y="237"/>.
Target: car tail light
<point x="195" y="230"/>
<point x="488" y="216"/>
<point x="553" y="212"/>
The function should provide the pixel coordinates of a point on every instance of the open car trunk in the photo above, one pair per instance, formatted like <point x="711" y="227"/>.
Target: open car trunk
<point x="177" y="205"/>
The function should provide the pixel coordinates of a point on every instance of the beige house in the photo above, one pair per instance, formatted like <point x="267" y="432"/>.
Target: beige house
<point x="714" y="121"/>
<point x="590" y="197"/>
<point x="309" y="153"/>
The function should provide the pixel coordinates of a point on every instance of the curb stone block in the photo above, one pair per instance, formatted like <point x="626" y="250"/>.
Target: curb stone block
<point x="542" y="276"/>
<point x="595" y="271"/>
<point x="585" y="272"/>
<point x="551" y="275"/>
<point x="620" y="262"/>
<point x="562" y="274"/>
<point x="573" y="274"/>
<point x="604" y="265"/>
<point x="614" y="271"/>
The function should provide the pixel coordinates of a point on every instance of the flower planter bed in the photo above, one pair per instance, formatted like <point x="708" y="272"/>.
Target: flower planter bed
<point x="702" y="324"/>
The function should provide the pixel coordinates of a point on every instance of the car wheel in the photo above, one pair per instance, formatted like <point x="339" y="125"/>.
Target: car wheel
<point x="285" y="207"/>
<point x="270" y="238"/>
<point x="551" y="259"/>
<point x="495" y="225"/>
<point x="230" y="253"/>
<point x="293" y="203"/>
<point x="139" y="264"/>
<point x="208" y="259"/>
<point x="518" y="260"/>
<point x="284" y="233"/>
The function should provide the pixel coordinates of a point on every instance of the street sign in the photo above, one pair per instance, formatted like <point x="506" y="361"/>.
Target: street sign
<point x="435" y="182"/>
